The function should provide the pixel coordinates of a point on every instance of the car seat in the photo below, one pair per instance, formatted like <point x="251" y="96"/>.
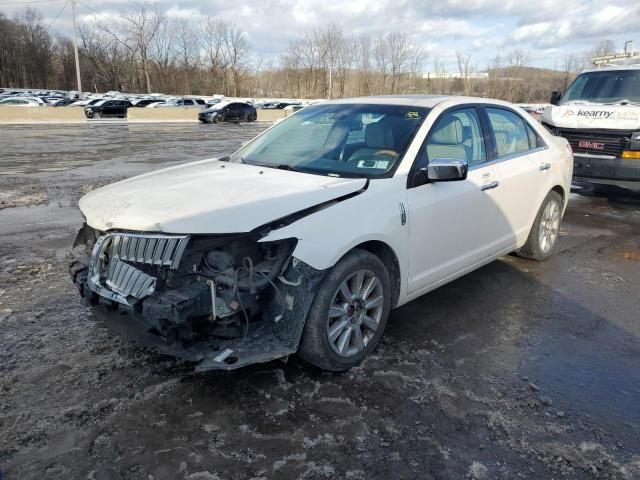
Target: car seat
<point x="447" y="140"/>
<point x="378" y="139"/>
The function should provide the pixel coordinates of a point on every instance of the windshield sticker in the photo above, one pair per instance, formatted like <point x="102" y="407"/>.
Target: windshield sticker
<point x="377" y="164"/>
<point x="414" y="115"/>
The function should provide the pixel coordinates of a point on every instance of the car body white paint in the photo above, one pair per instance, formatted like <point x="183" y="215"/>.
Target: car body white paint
<point x="451" y="228"/>
<point x="209" y="197"/>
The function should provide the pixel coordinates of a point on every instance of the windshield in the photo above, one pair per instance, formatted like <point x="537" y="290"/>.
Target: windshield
<point x="344" y="140"/>
<point x="604" y="87"/>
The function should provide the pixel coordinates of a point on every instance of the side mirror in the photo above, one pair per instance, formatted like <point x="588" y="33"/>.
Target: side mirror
<point x="446" y="170"/>
<point x="555" y="97"/>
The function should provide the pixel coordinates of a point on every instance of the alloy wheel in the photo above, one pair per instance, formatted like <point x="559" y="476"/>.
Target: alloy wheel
<point x="355" y="313"/>
<point x="549" y="226"/>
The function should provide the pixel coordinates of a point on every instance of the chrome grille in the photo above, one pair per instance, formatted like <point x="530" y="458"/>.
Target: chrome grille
<point x="127" y="281"/>
<point x="113" y="273"/>
<point x="160" y="250"/>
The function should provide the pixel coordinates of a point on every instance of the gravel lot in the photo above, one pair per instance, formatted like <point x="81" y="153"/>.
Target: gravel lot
<point x="519" y="370"/>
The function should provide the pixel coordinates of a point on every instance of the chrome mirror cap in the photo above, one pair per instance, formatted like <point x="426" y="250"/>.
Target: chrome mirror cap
<point x="447" y="170"/>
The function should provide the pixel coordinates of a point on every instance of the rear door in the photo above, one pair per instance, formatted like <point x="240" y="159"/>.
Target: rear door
<point x="452" y="225"/>
<point x="119" y="108"/>
<point x="107" y="108"/>
<point x="234" y="112"/>
<point x="524" y="171"/>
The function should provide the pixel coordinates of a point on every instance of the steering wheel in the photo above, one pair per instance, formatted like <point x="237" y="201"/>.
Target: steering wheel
<point x="390" y="153"/>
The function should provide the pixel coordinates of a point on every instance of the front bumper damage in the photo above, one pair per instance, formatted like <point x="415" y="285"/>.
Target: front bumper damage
<point x="222" y="302"/>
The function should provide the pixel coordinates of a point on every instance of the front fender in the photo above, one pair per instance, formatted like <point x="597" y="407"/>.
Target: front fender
<point x="325" y="236"/>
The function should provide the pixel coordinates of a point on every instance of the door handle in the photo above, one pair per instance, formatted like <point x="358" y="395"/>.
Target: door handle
<point x="545" y="166"/>
<point x="489" y="186"/>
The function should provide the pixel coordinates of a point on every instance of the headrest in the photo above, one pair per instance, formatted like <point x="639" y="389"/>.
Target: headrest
<point x="449" y="132"/>
<point x="377" y="135"/>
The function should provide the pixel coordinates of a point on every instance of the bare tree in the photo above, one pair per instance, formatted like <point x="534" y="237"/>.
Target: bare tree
<point x="187" y="49"/>
<point x="136" y="29"/>
<point x="603" y="47"/>
<point x="466" y="70"/>
<point x="236" y="50"/>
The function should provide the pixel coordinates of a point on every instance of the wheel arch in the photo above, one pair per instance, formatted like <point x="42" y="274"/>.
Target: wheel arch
<point x="386" y="254"/>
<point x="560" y="191"/>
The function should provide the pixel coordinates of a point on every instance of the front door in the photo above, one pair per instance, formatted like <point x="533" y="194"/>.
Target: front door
<point x="452" y="225"/>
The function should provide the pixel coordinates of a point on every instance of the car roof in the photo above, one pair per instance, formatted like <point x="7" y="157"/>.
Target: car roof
<point x="612" y="67"/>
<point x="417" y="100"/>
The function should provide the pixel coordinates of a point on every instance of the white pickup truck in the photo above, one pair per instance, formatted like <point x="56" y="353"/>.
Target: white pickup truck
<point x="599" y="115"/>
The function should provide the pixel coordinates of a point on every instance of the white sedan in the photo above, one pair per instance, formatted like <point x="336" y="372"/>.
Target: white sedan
<point x="304" y="239"/>
<point x="23" y="102"/>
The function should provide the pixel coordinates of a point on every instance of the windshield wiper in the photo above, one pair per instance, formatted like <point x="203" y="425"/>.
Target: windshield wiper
<point x="284" y="166"/>
<point x="581" y="102"/>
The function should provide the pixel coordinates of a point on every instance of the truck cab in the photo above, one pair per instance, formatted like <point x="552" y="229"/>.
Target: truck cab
<point x="599" y="115"/>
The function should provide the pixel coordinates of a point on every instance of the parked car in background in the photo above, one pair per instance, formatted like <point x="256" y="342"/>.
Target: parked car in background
<point x="229" y="112"/>
<point x="278" y="105"/>
<point x="86" y="103"/>
<point x="107" y="109"/>
<point x="156" y="104"/>
<point x="23" y="102"/>
<point x="184" y="102"/>
<point x="64" y="102"/>
<point x="144" y="102"/>
<point x="305" y="238"/>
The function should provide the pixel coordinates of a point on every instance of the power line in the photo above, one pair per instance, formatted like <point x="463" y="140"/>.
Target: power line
<point x="89" y="7"/>
<point x="58" y="15"/>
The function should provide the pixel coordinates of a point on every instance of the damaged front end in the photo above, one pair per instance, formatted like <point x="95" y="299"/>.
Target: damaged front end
<point x="223" y="301"/>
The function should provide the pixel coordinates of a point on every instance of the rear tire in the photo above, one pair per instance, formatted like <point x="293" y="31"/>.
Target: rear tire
<point x="340" y="332"/>
<point x="545" y="230"/>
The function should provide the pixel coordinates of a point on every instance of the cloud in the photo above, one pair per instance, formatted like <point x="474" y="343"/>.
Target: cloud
<point x="547" y="29"/>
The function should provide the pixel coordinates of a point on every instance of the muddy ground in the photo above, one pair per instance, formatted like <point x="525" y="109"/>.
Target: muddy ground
<point x="519" y="370"/>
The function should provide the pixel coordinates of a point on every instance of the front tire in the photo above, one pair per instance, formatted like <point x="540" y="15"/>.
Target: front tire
<point x="545" y="231"/>
<point x="349" y="313"/>
<point x="97" y="114"/>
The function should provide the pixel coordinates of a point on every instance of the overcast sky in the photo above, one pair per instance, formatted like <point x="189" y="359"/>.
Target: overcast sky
<point x="547" y="29"/>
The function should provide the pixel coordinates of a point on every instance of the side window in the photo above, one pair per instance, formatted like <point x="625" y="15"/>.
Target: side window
<point x="510" y="132"/>
<point x="457" y="135"/>
<point x="534" y="139"/>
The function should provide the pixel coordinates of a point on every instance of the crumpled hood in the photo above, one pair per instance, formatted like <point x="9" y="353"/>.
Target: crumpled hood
<point x="209" y="197"/>
<point x="618" y="117"/>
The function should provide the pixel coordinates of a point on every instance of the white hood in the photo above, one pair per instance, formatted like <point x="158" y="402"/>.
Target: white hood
<point x="615" y="117"/>
<point x="209" y="197"/>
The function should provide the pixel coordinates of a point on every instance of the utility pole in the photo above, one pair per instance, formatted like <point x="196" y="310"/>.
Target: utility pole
<point x="75" y="47"/>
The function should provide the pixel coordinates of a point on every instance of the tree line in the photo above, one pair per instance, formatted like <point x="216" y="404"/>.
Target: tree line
<point x="144" y="50"/>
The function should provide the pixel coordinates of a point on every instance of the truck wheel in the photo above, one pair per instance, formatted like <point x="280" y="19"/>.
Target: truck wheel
<point x="349" y="313"/>
<point x="544" y="233"/>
